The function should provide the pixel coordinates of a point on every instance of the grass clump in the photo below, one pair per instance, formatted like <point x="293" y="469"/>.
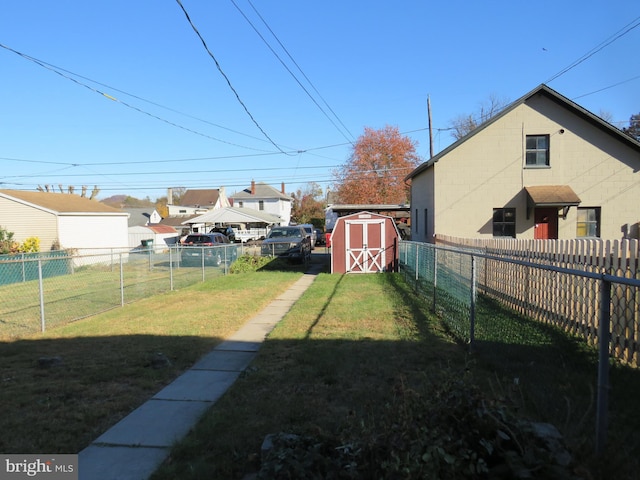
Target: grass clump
<point x="253" y="263"/>
<point x="451" y="431"/>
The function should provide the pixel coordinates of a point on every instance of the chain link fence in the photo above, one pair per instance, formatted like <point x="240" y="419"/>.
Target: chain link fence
<point x="525" y="315"/>
<point x="41" y="291"/>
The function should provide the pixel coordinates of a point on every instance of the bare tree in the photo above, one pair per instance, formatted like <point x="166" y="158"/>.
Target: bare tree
<point x="633" y="130"/>
<point x="464" y="124"/>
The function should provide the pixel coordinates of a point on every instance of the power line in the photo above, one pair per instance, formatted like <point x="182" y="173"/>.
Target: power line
<point x="57" y="71"/>
<point x="290" y="72"/>
<point x="607" y="88"/>
<point x="177" y="172"/>
<point x="204" y="44"/>
<point x="620" y="33"/>
<point x="194" y="159"/>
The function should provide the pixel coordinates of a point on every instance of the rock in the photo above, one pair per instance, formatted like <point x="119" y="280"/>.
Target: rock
<point x="160" y="360"/>
<point x="50" y="362"/>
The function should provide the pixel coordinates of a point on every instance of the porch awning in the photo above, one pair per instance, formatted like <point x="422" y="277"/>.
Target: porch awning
<point x="234" y="215"/>
<point x="560" y="196"/>
<point x="552" y="196"/>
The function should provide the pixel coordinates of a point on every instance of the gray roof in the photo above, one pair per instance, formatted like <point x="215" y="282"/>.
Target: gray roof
<point x="139" y="216"/>
<point x="262" y="191"/>
<point x="234" y="215"/>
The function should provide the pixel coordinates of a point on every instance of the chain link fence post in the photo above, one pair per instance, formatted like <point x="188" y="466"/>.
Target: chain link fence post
<point x="417" y="262"/>
<point x="202" y="253"/>
<point x="435" y="279"/>
<point x="41" y="288"/>
<point x="121" y="282"/>
<point x="604" y="342"/>
<point x="472" y="312"/>
<point x="171" y="268"/>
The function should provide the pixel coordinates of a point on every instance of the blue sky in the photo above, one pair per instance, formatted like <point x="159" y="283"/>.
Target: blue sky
<point x="175" y="120"/>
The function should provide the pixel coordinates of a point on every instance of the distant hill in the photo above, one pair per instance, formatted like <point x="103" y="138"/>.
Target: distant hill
<point x="127" y="201"/>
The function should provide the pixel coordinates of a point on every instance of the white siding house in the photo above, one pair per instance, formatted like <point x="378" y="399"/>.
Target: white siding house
<point x="265" y="198"/>
<point x="63" y="221"/>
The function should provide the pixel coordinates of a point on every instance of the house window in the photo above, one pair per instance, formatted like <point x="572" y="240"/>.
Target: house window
<point x="588" y="224"/>
<point x="416" y="217"/>
<point x="261" y="205"/>
<point x="504" y="222"/>
<point x="537" y="151"/>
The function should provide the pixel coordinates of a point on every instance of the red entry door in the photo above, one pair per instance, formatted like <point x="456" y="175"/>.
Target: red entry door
<point x="546" y="220"/>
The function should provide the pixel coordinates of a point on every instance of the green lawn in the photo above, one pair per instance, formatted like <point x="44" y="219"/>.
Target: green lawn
<point x="107" y="368"/>
<point x="359" y="366"/>
<point x="361" y="362"/>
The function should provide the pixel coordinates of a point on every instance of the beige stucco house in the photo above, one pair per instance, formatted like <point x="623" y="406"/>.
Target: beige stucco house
<point x="544" y="167"/>
<point x="62" y="220"/>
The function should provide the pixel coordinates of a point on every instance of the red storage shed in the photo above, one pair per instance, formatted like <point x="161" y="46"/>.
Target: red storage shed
<point x="364" y="242"/>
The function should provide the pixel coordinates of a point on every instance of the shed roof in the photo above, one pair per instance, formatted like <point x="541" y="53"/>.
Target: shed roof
<point x="157" y="228"/>
<point x="176" y="221"/>
<point x="60" y="202"/>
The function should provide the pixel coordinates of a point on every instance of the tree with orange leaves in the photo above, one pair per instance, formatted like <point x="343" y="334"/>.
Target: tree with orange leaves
<point x="375" y="172"/>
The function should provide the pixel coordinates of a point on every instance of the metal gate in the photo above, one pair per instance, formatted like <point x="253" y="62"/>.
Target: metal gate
<point x="365" y="245"/>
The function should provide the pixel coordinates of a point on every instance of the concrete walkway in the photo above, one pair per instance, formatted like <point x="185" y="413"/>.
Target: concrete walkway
<point x="136" y="446"/>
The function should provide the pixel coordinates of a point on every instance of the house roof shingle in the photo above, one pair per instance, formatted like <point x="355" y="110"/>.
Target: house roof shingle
<point x="61" y="202"/>
<point x="262" y="191"/>
<point x="200" y="198"/>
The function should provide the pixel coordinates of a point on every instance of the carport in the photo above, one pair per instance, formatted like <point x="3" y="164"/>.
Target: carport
<point x="364" y="242"/>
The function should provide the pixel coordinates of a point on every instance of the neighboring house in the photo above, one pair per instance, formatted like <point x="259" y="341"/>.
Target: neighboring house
<point x="62" y="220"/>
<point x="542" y="168"/>
<point x="265" y="198"/>
<point x="142" y="216"/>
<point x="247" y="223"/>
<point x="197" y="202"/>
<point x="178" y="222"/>
<point x="160" y="235"/>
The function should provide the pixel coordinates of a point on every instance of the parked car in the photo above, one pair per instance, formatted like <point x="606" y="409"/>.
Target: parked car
<point x="210" y="245"/>
<point x="311" y="231"/>
<point x="291" y="242"/>
<point x="320" y="238"/>
<point x="227" y="231"/>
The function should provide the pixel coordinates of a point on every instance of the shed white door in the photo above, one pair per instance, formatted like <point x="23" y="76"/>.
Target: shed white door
<point x="364" y="241"/>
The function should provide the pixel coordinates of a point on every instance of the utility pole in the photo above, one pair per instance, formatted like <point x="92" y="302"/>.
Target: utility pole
<point x="430" y="128"/>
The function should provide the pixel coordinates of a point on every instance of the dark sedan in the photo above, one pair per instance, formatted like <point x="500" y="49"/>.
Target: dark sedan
<point x="208" y="249"/>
